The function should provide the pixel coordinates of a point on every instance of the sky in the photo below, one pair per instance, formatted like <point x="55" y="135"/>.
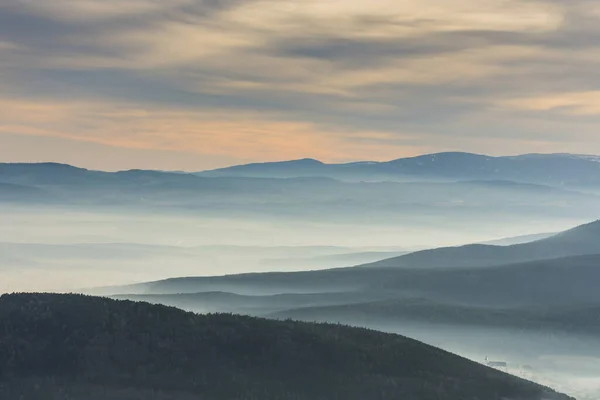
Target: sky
<point x="193" y="85"/>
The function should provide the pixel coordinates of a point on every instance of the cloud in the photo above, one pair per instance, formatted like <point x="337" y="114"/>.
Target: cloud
<point x="214" y="134"/>
<point x="304" y="75"/>
<point x="574" y="103"/>
<point x="19" y="147"/>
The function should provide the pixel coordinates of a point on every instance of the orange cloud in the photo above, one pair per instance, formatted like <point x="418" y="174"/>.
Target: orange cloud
<point x="427" y="64"/>
<point x="227" y="133"/>
<point x="574" y="103"/>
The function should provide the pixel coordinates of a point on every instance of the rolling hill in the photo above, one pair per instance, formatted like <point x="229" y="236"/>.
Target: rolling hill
<point x="584" y="239"/>
<point x="567" y="256"/>
<point x="561" y="281"/>
<point x="71" y="346"/>
<point x="581" y="319"/>
<point x="509" y="241"/>
<point x="375" y="308"/>
<point x="209" y="302"/>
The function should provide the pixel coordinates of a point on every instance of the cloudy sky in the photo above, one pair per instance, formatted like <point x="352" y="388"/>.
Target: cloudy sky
<point x="192" y="84"/>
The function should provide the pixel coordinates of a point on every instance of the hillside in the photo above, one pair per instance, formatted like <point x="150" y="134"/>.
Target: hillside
<point x="509" y="241"/>
<point x="372" y="307"/>
<point x="223" y="302"/>
<point x="582" y="240"/>
<point x="583" y="319"/>
<point x="72" y="346"/>
<point x="562" y="281"/>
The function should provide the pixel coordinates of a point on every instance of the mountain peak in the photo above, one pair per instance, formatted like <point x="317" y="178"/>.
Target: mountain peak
<point x="448" y="155"/>
<point x="303" y="161"/>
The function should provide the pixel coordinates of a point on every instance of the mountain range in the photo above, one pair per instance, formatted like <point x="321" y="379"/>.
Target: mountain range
<point x="578" y="319"/>
<point x="514" y="296"/>
<point x="524" y="304"/>
<point x="544" y="169"/>
<point x="551" y="169"/>
<point x="531" y="278"/>
<point x="433" y="193"/>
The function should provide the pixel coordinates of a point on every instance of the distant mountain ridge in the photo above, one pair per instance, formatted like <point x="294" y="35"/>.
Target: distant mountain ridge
<point x="559" y="169"/>
<point x="554" y="169"/>
<point x="581" y="318"/>
<point x="581" y="240"/>
<point x="307" y="196"/>
<point x="473" y="273"/>
<point x="507" y="285"/>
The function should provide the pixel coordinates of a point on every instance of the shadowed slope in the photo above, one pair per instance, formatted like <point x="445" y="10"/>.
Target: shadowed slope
<point x="563" y="281"/>
<point x="582" y="240"/>
<point x="72" y="344"/>
<point x="583" y="319"/>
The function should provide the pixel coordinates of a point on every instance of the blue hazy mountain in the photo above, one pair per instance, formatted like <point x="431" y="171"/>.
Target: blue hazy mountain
<point x="561" y="269"/>
<point x="580" y="319"/>
<point x="553" y="169"/>
<point x="10" y="192"/>
<point x="561" y="281"/>
<point x="582" y="240"/>
<point x="299" y="197"/>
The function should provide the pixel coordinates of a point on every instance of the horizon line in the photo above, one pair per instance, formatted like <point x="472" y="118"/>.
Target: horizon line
<point x="57" y="163"/>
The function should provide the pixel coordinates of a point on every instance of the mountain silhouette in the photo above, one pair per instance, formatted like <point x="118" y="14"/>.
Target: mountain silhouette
<point x="584" y="239"/>
<point x="555" y="169"/>
<point x="62" y="346"/>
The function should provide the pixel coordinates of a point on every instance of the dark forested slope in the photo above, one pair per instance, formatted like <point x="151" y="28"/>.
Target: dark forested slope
<point x="77" y="347"/>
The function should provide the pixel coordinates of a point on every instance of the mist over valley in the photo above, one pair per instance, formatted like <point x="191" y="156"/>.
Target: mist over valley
<point x="470" y="262"/>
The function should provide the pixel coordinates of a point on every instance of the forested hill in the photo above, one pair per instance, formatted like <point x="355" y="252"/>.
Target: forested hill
<point x="77" y="347"/>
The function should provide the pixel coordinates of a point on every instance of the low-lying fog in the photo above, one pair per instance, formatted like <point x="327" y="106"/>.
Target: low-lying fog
<point x="72" y="248"/>
<point x="62" y="249"/>
<point x="565" y="362"/>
